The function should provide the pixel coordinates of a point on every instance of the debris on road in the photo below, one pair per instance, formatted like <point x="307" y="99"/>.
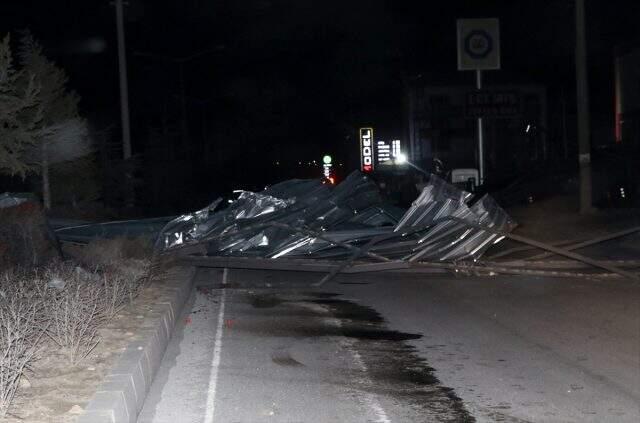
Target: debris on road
<point x="307" y="226"/>
<point x="307" y="219"/>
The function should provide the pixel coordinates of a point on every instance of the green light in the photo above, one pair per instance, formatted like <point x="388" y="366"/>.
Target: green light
<point x="327" y="159"/>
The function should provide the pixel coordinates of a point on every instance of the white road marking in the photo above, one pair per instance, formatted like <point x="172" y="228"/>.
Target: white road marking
<point x="215" y="361"/>
<point x="370" y="399"/>
<point x="225" y="274"/>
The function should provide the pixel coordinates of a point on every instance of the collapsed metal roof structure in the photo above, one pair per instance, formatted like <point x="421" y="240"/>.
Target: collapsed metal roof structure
<point x="309" y="220"/>
<point x="304" y="225"/>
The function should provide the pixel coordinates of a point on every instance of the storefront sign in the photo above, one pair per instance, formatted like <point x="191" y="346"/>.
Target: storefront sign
<point x="366" y="150"/>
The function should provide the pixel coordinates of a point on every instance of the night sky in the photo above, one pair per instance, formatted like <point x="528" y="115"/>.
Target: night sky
<point x="289" y="80"/>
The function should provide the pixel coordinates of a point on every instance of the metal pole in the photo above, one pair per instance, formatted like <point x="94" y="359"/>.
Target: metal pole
<point x="480" y="135"/>
<point x="124" y="96"/>
<point x="565" y="138"/>
<point x="582" y="97"/>
<point x="184" y="127"/>
<point x="617" y="68"/>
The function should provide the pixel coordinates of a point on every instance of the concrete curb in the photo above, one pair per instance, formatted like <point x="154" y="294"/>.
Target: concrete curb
<point x="121" y="395"/>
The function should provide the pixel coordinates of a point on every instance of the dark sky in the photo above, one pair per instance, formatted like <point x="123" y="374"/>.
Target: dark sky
<point x="298" y="76"/>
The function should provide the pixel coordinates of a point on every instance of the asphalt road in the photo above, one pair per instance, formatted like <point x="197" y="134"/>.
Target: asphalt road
<point x="264" y="347"/>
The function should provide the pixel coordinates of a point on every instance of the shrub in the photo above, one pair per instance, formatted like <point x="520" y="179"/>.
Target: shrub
<point x="21" y="327"/>
<point x="23" y="236"/>
<point x="74" y="303"/>
<point x="101" y="252"/>
<point x="65" y="303"/>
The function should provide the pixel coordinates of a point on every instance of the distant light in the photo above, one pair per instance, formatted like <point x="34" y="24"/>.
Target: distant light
<point x="277" y="163"/>
<point x="326" y="159"/>
<point x="332" y="180"/>
<point x="401" y="158"/>
<point x="528" y="128"/>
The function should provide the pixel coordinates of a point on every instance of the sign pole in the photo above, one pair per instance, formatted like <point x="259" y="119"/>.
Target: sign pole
<point x="480" y="134"/>
<point x="479" y="49"/>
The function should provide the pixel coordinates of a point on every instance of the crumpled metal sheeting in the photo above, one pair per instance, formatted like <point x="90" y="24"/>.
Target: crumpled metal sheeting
<point x="437" y="199"/>
<point x="187" y="227"/>
<point x="199" y="225"/>
<point x="316" y="209"/>
<point x="382" y="215"/>
<point x="438" y="216"/>
<point x="250" y="205"/>
<point x="324" y="248"/>
<point x="260" y="224"/>
<point x="242" y="227"/>
<point x="302" y="190"/>
<point x="356" y="193"/>
<point x="450" y="239"/>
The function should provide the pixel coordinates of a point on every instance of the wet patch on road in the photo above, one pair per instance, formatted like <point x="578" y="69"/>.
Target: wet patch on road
<point x="265" y="301"/>
<point x="283" y="358"/>
<point x="395" y="369"/>
<point x="343" y="309"/>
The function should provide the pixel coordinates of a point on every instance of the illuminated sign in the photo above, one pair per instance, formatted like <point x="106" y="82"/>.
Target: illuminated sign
<point x="395" y="148"/>
<point x="383" y="151"/>
<point x="326" y="166"/>
<point x="366" y="149"/>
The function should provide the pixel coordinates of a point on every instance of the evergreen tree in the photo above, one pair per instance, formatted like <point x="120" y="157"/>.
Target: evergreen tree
<point x="21" y="116"/>
<point x="63" y="135"/>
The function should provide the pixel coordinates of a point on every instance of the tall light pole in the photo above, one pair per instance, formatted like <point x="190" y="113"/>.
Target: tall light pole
<point x="124" y="91"/>
<point x="582" y="98"/>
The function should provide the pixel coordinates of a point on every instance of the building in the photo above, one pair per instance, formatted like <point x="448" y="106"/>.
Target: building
<point x="441" y="122"/>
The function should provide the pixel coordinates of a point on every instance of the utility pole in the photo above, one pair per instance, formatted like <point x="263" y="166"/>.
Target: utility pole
<point x="582" y="97"/>
<point x="184" y="126"/>
<point x="480" y="134"/>
<point x="124" y="91"/>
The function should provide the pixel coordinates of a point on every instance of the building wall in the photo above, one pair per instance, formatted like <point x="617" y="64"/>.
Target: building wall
<point x="437" y="128"/>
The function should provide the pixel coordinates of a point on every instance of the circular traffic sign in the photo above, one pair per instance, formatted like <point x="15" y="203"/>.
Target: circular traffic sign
<point x="478" y="44"/>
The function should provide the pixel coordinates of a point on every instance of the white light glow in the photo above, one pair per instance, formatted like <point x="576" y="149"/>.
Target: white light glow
<point x="401" y="158"/>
